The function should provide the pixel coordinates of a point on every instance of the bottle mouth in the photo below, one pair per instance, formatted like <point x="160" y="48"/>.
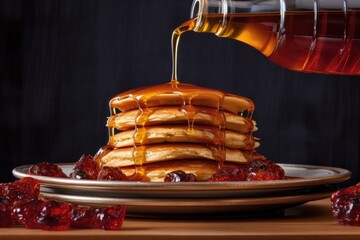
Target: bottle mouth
<point x="195" y="8"/>
<point x="197" y="12"/>
<point x="201" y="8"/>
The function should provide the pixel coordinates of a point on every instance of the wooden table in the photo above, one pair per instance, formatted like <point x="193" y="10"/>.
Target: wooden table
<point x="309" y="221"/>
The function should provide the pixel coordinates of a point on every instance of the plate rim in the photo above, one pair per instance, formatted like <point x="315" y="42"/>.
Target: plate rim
<point x="340" y="175"/>
<point x="192" y="202"/>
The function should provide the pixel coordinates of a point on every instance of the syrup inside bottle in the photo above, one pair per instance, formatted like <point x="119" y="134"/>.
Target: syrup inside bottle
<point x="329" y="44"/>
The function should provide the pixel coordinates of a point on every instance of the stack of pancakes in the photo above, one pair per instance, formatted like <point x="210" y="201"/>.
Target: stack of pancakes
<point x="176" y="126"/>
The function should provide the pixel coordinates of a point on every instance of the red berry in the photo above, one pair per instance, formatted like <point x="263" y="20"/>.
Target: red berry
<point x="84" y="217"/>
<point x="19" y="201"/>
<point x="55" y="216"/>
<point x="27" y="213"/>
<point x="46" y="169"/>
<point x="220" y="178"/>
<point x="5" y="216"/>
<point x="190" y="177"/>
<point x="111" y="218"/>
<point x="22" y="190"/>
<point x="85" y="168"/>
<point x="345" y="205"/>
<point x="4" y="187"/>
<point x="263" y="169"/>
<point x="179" y="176"/>
<point x="229" y="173"/>
<point x="111" y="174"/>
<point x="175" y="176"/>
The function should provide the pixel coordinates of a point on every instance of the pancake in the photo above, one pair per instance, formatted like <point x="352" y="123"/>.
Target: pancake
<point x="156" y="172"/>
<point x="145" y="154"/>
<point x="174" y="115"/>
<point x="175" y="133"/>
<point x="171" y="94"/>
<point x="177" y="126"/>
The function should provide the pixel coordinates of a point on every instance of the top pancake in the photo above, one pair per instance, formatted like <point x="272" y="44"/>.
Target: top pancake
<point x="178" y="94"/>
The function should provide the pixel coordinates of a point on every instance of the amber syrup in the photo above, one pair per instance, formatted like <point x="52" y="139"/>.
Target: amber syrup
<point x="331" y="45"/>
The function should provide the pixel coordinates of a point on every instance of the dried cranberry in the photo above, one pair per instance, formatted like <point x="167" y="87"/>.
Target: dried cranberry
<point x="190" y="177"/>
<point x="5" y="201"/>
<point x="3" y="188"/>
<point x="111" y="218"/>
<point x="111" y="174"/>
<point x="345" y="205"/>
<point x="263" y="169"/>
<point x="22" y="190"/>
<point x="51" y="215"/>
<point x="27" y="213"/>
<point x="84" y="217"/>
<point x="5" y="216"/>
<point x="229" y="173"/>
<point x="85" y="168"/>
<point x="46" y="169"/>
<point x="179" y="176"/>
<point x="175" y="176"/>
<point x="220" y="178"/>
<point x="55" y="216"/>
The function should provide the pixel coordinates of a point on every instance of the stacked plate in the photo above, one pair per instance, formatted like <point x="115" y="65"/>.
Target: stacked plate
<point x="197" y="199"/>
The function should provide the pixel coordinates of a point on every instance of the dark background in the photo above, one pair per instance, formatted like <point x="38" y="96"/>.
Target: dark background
<point x="62" y="61"/>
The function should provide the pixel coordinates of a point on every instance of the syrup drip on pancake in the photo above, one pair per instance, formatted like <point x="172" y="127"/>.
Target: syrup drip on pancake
<point x="186" y="94"/>
<point x="190" y="100"/>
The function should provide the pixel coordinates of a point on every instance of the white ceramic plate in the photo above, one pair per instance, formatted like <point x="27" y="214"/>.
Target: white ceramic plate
<point x="197" y="208"/>
<point x="301" y="179"/>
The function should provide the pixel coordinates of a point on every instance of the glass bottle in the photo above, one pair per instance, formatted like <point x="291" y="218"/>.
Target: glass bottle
<point x="304" y="35"/>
